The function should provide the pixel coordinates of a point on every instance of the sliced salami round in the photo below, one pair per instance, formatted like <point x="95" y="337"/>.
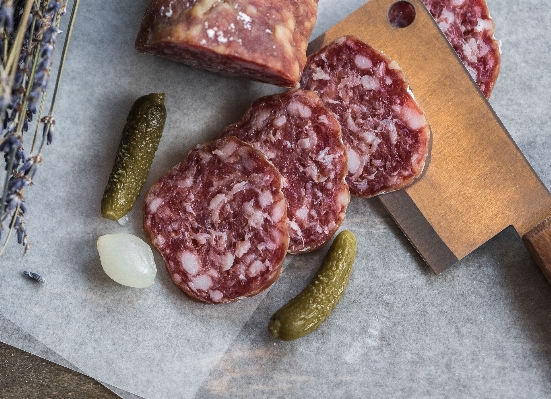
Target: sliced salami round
<point x="302" y="138"/>
<point x="258" y="39"/>
<point x="383" y="128"/>
<point x="470" y="30"/>
<point x="219" y="219"/>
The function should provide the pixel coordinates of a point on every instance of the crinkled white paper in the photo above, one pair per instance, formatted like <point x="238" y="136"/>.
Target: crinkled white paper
<point x="480" y="329"/>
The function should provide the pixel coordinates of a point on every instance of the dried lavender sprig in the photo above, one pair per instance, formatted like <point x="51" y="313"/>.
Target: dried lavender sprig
<point x="6" y="23"/>
<point x="61" y="63"/>
<point x="42" y="23"/>
<point x="23" y="174"/>
<point x="7" y="75"/>
<point x="6" y="16"/>
<point x="49" y="120"/>
<point x="10" y="63"/>
<point x="44" y="57"/>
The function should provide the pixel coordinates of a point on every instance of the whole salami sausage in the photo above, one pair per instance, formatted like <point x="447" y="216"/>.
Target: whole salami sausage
<point x="219" y="219"/>
<point x="302" y="138"/>
<point x="258" y="39"/>
<point x="384" y="130"/>
<point x="470" y="30"/>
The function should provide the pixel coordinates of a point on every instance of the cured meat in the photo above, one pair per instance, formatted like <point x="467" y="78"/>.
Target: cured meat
<point x="258" y="39"/>
<point x="385" y="132"/>
<point x="219" y="219"/>
<point x="470" y="30"/>
<point x="302" y="139"/>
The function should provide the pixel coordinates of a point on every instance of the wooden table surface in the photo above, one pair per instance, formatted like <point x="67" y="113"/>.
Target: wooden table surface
<point x="25" y="376"/>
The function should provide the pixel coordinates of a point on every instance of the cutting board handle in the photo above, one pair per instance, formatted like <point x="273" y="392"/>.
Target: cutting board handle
<point x="538" y="242"/>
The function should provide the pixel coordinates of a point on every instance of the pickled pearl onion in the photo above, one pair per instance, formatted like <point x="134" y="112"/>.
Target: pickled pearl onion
<point x="127" y="259"/>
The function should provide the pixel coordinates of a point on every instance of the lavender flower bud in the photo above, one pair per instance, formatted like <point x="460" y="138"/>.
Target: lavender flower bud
<point x="34" y="276"/>
<point x="46" y="50"/>
<point x="16" y="184"/>
<point x="34" y="95"/>
<point x="20" y="234"/>
<point x="5" y="100"/>
<point x="13" y="202"/>
<point x="50" y="135"/>
<point x="20" y="155"/>
<point x="31" y="172"/>
<point x="11" y="127"/>
<point x="39" y="75"/>
<point x="31" y="110"/>
<point x="23" y="55"/>
<point x="43" y="64"/>
<point x="50" y="34"/>
<point x="44" y="84"/>
<point x="25" y="168"/>
<point x="53" y="7"/>
<point x="6" y="17"/>
<point x="18" y="79"/>
<point x="37" y="25"/>
<point x="10" y="143"/>
<point x="15" y="99"/>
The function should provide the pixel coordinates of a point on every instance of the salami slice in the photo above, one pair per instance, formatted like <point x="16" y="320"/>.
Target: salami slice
<point x="302" y="138"/>
<point x="264" y="40"/>
<point x="470" y="30"/>
<point x="219" y="219"/>
<point x="385" y="132"/>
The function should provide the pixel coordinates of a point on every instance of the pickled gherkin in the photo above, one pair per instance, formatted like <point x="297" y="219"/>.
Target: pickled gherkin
<point x="140" y="139"/>
<point x="310" y="308"/>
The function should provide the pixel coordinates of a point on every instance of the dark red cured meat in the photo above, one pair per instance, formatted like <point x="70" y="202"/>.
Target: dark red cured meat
<point x="385" y="132"/>
<point x="302" y="138"/>
<point x="470" y="30"/>
<point x="219" y="219"/>
<point x="258" y="39"/>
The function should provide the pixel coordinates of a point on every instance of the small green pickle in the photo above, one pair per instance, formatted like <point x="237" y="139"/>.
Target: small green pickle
<point x="140" y="138"/>
<point x="310" y="308"/>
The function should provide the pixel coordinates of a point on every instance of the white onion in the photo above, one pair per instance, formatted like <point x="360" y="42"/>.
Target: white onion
<point x="127" y="259"/>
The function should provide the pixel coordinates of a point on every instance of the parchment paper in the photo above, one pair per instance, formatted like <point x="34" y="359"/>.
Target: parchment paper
<point x="10" y="332"/>
<point x="479" y="330"/>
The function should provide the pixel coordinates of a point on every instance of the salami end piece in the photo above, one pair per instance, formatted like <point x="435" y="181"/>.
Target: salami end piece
<point x="261" y="40"/>
<point x="302" y="138"/>
<point x="383" y="128"/>
<point x="470" y="30"/>
<point x="219" y="219"/>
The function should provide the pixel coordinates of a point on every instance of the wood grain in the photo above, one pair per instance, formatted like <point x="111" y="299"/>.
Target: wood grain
<point x="538" y="242"/>
<point x="23" y="375"/>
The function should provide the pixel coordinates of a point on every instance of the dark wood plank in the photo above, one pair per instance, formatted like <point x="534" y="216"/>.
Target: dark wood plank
<point x="538" y="242"/>
<point x="25" y="376"/>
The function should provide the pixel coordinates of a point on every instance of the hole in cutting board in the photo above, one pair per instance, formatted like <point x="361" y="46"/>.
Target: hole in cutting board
<point x="401" y="14"/>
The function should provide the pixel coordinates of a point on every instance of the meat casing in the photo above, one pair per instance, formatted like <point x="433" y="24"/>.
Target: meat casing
<point x="264" y="40"/>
